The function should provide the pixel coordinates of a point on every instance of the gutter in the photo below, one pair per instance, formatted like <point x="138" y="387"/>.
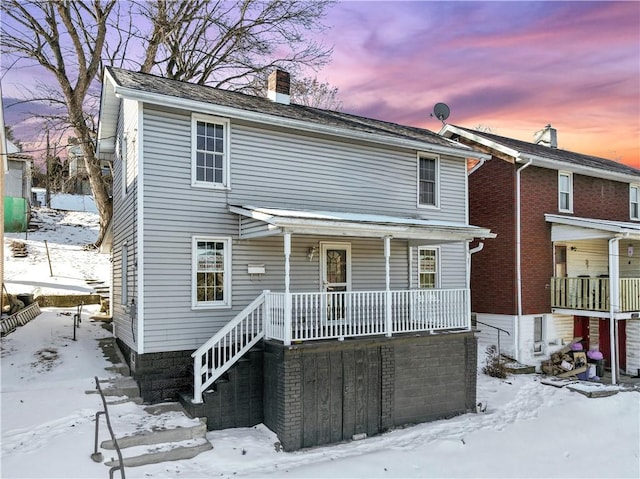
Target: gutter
<point x="519" y="260"/>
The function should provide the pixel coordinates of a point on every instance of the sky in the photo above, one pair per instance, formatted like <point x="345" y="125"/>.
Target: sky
<point x="512" y="67"/>
<point x="528" y="429"/>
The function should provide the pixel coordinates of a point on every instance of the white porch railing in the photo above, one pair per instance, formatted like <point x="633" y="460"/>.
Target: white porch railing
<point x="333" y="315"/>
<point x="216" y="356"/>
<point x="339" y="315"/>
<point x="630" y="294"/>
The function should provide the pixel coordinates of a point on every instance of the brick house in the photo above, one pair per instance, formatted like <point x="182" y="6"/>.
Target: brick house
<point x="566" y="261"/>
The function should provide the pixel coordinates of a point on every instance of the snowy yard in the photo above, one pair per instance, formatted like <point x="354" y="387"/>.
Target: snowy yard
<point x="528" y="430"/>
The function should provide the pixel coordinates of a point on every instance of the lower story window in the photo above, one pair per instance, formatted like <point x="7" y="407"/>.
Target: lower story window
<point x="212" y="271"/>
<point x="538" y="334"/>
<point x="428" y="267"/>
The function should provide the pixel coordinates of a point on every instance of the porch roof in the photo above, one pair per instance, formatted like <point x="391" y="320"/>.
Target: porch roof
<point x="261" y="221"/>
<point x="571" y="228"/>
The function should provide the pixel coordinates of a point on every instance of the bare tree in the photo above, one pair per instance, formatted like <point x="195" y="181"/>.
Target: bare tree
<point x="219" y="43"/>
<point x="66" y="38"/>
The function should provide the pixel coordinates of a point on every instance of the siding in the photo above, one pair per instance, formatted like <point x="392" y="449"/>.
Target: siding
<point x="278" y="169"/>
<point x="488" y="336"/>
<point x="633" y="347"/>
<point x="125" y="210"/>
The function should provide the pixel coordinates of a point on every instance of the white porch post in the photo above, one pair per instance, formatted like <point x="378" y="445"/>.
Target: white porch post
<point x="287" y="292"/>
<point x="614" y="304"/>
<point x="387" y="255"/>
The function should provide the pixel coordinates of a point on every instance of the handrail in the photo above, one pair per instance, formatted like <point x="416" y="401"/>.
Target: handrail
<point x="236" y="338"/>
<point x="494" y="327"/>
<point x="97" y="456"/>
<point x="499" y="330"/>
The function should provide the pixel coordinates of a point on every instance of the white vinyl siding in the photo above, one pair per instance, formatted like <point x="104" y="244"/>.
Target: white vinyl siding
<point x="428" y="181"/>
<point x="294" y="171"/>
<point x="211" y="272"/>
<point x="634" y="202"/>
<point x="565" y="192"/>
<point x="209" y="151"/>
<point x="125" y="274"/>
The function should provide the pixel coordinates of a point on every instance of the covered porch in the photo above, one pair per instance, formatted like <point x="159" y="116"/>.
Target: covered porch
<point x="597" y="274"/>
<point x="339" y="311"/>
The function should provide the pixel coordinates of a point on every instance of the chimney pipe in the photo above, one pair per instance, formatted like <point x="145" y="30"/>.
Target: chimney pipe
<point x="278" y="87"/>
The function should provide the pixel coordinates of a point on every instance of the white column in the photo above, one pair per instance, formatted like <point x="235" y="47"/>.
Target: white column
<point x="287" y="291"/>
<point x="387" y="255"/>
<point x="614" y="304"/>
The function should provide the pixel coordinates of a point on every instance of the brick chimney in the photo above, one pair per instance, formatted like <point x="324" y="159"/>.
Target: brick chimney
<point x="278" y="87"/>
<point x="547" y="137"/>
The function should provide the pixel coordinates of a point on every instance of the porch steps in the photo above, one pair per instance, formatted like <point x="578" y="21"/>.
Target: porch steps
<point x="155" y="441"/>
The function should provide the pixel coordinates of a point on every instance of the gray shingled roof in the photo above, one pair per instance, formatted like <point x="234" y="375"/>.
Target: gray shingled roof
<point x="163" y="86"/>
<point x="557" y="154"/>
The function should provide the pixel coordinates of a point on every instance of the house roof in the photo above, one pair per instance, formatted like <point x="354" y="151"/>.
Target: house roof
<point x="276" y="221"/>
<point x="547" y="157"/>
<point x="155" y="89"/>
<point x="608" y="228"/>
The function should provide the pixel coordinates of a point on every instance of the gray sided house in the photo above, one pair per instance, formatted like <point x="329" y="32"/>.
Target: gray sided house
<point x="276" y="263"/>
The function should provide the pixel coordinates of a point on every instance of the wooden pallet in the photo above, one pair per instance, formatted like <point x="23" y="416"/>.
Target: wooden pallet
<point x="19" y="249"/>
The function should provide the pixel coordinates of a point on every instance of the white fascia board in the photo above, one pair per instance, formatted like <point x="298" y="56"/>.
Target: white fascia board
<point x="462" y="151"/>
<point x="615" y="229"/>
<point x="449" y="130"/>
<point x="579" y="169"/>
<point x="109" y="104"/>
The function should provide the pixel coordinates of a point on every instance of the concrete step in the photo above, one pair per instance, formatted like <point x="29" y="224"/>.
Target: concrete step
<point x="146" y="438"/>
<point x="157" y="453"/>
<point x="118" y="386"/>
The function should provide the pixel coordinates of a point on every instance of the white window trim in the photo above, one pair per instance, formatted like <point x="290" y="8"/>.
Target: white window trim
<point x="637" y="188"/>
<point x="570" y="176"/>
<point x="226" y="304"/>
<point x="435" y="206"/>
<point x="226" y="176"/>
<point x="539" y="346"/>
<point x="438" y="266"/>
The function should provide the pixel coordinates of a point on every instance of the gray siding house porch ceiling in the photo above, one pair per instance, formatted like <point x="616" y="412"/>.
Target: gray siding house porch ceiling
<point x="257" y="222"/>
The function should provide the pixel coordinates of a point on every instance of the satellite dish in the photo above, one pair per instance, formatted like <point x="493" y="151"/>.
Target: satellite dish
<point x="441" y="111"/>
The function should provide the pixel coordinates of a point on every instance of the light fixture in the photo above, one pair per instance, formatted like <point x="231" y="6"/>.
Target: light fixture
<point x="311" y="251"/>
<point x="630" y="251"/>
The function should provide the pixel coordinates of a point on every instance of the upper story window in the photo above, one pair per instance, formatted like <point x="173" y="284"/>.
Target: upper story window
<point x="428" y="270"/>
<point x="211" y="272"/>
<point x="565" y="192"/>
<point x="210" y="151"/>
<point x="634" y="202"/>
<point x="428" y="181"/>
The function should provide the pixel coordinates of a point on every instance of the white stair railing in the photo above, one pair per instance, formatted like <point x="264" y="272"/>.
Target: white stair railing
<point x="218" y="354"/>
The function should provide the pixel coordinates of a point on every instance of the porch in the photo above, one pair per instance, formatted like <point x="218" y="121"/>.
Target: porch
<point x="593" y="294"/>
<point x="304" y="317"/>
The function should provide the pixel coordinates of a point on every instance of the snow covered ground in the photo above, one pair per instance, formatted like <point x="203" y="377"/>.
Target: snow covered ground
<point x="47" y="421"/>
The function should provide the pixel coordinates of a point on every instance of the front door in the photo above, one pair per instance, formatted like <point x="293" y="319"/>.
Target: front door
<point x="336" y="278"/>
<point x="604" y="334"/>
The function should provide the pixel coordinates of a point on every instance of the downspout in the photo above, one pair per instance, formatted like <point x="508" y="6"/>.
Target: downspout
<point x="471" y="251"/>
<point x="614" y="302"/>
<point x="516" y="332"/>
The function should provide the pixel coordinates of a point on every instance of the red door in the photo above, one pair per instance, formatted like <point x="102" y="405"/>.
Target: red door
<point x="605" y="342"/>
<point x="581" y="329"/>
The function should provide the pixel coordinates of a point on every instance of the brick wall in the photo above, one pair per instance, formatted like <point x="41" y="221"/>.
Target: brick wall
<point x="492" y="205"/>
<point x="325" y="392"/>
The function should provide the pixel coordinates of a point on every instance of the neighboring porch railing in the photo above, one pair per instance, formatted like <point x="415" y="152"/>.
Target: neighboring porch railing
<point x="593" y="294"/>
<point x="337" y="315"/>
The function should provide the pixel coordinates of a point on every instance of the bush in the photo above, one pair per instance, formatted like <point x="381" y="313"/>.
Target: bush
<point x="493" y="364"/>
